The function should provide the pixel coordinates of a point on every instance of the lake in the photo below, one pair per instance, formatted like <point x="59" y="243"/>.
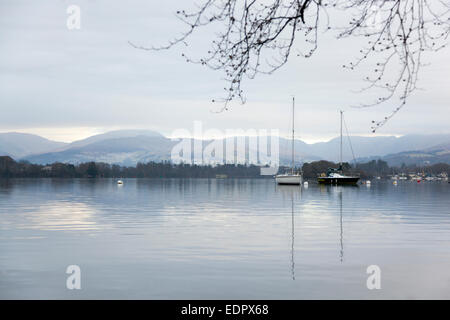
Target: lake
<point x="223" y="239"/>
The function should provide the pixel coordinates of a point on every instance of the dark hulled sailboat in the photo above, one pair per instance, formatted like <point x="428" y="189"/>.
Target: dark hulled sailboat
<point x="335" y="176"/>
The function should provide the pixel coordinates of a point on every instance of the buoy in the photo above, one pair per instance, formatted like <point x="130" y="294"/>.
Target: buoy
<point x="395" y="182"/>
<point x="119" y="182"/>
<point x="305" y="183"/>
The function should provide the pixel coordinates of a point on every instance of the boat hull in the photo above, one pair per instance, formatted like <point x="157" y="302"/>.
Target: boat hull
<point x="338" y="180"/>
<point x="289" y="180"/>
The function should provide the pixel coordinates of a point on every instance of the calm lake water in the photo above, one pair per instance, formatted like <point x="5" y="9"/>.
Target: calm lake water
<point x="222" y="239"/>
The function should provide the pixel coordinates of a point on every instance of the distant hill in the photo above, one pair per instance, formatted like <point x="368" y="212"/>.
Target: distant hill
<point x="128" y="147"/>
<point x="369" y="147"/>
<point x="117" y="134"/>
<point x="18" y="145"/>
<point x="125" y="151"/>
<point x="428" y="156"/>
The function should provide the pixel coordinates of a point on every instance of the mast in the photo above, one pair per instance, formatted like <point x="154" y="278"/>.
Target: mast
<point x="340" y="156"/>
<point x="293" y="106"/>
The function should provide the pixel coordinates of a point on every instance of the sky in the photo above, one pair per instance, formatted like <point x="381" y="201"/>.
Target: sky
<point x="66" y="84"/>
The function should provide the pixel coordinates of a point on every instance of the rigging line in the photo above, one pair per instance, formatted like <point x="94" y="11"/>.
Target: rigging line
<point x="349" y="141"/>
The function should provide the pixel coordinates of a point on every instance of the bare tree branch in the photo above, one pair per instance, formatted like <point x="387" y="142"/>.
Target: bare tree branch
<point x="258" y="37"/>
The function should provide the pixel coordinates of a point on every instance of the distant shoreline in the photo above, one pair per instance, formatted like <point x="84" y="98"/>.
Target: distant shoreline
<point x="9" y="168"/>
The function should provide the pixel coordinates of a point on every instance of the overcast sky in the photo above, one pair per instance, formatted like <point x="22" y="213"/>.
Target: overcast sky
<point x="68" y="84"/>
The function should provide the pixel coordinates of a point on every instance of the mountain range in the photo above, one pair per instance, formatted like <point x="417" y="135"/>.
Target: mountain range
<point x="18" y="145"/>
<point x="436" y="154"/>
<point x="128" y="147"/>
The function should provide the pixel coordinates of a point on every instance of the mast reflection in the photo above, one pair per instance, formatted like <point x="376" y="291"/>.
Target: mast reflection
<point x="292" y="246"/>
<point x="291" y="192"/>
<point x="341" y="225"/>
<point x="330" y="190"/>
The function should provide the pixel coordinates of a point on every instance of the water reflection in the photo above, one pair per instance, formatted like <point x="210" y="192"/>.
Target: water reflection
<point x="331" y="190"/>
<point x="61" y="215"/>
<point x="207" y="238"/>
<point x="292" y="247"/>
<point x="295" y="192"/>
<point x="291" y="192"/>
<point x="341" y="225"/>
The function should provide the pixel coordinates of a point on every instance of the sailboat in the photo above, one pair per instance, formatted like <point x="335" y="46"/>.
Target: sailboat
<point x="292" y="178"/>
<point x="335" y="175"/>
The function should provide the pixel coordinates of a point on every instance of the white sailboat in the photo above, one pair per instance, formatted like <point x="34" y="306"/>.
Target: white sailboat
<point x="292" y="178"/>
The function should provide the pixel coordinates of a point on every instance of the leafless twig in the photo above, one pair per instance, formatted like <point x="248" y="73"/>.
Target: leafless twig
<point x="259" y="36"/>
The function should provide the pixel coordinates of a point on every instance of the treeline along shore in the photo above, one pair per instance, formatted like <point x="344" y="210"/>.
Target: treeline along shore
<point x="9" y="168"/>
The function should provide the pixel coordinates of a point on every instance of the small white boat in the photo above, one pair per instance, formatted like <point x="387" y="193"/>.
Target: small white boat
<point x="119" y="182"/>
<point x="289" y="178"/>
